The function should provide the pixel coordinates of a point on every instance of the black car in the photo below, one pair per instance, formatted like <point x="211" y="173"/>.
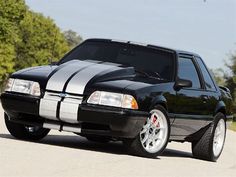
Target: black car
<point x="143" y="95"/>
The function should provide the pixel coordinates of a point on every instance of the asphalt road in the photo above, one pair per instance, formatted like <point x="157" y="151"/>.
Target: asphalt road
<point x="65" y="154"/>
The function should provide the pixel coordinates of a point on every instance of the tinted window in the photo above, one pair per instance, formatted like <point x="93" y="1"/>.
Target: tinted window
<point x="142" y="58"/>
<point x="188" y="71"/>
<point x="207" y="78"/>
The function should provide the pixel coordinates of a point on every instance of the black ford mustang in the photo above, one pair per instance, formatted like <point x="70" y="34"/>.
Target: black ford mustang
<point x="106" y="90"/>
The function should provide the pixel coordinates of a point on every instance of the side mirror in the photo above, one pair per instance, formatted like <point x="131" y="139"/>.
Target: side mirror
<point x="182" y="83"/>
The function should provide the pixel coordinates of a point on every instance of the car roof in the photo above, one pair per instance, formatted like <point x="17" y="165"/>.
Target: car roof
<point x="179" y="52"/>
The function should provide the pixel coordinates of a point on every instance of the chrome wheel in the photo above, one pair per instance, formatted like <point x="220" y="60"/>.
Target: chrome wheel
<point x="219" y="138"/>
<point x="154" y="133"/>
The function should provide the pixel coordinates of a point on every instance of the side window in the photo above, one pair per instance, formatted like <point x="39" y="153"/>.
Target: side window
<point x="188" y="71"/>
<point x="207" y="78"/>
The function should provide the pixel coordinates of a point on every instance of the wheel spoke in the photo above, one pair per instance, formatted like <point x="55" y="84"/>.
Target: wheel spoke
<point x="148" y="143"/>
<point x="145" y="129"/>
<point x="153" y="142"/>
<point x="157" y="137"/>
<point x="160" y="128"/>
<point x="146" y="125"/>
<point x="145" y="138"/>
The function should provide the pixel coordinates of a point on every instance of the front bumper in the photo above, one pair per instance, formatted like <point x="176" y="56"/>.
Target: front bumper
<point x="15" y="104"/>
<point x="119" y="122"/>
<point x="93" y="119"/>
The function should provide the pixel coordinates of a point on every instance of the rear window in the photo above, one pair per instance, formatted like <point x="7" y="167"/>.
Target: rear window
<point x="142" y="58"/>
<point x="207" y="78"/>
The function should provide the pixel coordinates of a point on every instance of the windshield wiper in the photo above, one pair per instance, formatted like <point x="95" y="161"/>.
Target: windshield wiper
<point x="150" y="74"/>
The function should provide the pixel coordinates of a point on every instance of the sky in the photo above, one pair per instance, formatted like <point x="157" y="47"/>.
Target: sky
<point x="206" y="27"/>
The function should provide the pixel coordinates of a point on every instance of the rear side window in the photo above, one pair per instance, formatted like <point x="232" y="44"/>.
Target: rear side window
<point x="188" y="71"/>
<point x="207" y="78"/>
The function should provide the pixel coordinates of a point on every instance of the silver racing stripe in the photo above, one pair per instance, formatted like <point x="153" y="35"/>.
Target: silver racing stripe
<point x="79" y="81"/>
<point x="69" y="112"/>
<point x="58" y="80"/>
<point x="48" y="106"/>
<point x="71" y="78"/>
<point x="69" y="108"/>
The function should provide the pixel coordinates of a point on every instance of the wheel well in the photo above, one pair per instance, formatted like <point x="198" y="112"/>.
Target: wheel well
<point x="163" y="105"/>
<point x="222" y="110"/>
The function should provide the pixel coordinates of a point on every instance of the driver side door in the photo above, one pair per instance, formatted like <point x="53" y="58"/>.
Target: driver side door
<point x="191" y="103"/>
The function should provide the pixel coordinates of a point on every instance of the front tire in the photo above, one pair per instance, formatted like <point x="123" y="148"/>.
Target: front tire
<point x="153" y="137"/>
<point x="24" y="132"/>
<point x="211" y="144"/>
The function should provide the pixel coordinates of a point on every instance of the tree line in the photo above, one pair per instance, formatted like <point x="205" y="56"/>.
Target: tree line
<point x="228" y="79"/>
<point x="29" y="39"/>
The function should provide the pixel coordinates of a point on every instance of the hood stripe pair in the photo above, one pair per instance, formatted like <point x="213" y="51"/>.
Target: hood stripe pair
<point x="57" y="81"/>
<point x="72" y="78"/>
<point x="78" y="83"/>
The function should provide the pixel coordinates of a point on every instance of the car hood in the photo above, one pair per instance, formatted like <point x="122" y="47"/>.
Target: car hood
<point x="78" y="77"/>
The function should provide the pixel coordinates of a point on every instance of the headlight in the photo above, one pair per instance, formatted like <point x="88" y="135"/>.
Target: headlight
<point x="9" y="84"/>
<point x="113" y="99"/>
<point x="23" y="86"/>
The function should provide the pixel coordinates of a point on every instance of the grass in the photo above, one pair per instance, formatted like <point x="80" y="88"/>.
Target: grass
<point x="233" y="126"/>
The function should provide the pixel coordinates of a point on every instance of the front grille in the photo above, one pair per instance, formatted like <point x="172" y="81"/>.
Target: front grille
<point x="60" y="106"/>
<point x="63" y="97"/>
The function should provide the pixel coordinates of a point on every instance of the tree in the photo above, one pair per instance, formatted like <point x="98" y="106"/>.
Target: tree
<point x="41" y="39"/>
<point x="27" y="38"/>
<point x="13" y="10"/>
<point x="231" y="78"/>
<point x="11" y="13"/>
<point x="7" y="54"/>
<point x="73" y="39"/>
<point x="219" y="76"/>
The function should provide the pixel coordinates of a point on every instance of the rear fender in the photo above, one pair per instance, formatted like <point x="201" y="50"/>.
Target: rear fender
<point x="220" y="107"/>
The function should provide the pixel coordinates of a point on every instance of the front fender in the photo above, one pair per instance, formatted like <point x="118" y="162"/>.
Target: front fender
<point x="159" y="100"/>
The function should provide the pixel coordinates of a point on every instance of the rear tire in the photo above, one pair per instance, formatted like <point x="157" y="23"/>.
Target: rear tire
<point x="154" y="136"/>
<point x="210" y="145"/>
<point x="24" y="132"/>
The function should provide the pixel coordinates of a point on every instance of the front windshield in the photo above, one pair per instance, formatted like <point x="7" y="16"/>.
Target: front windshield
<point x="140" y="57"/>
